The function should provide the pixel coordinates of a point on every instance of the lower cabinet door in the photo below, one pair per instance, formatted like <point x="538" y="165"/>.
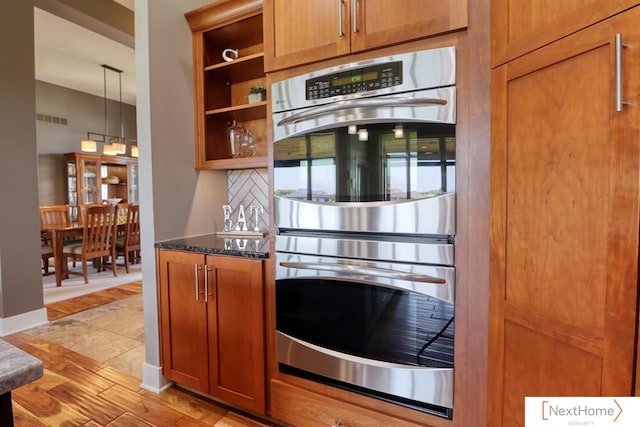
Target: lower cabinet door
<point x="236" y="331"/>
<point x="183" y="318"/>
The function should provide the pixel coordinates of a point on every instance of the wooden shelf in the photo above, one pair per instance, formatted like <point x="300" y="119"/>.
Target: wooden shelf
<point x="222" y="87"/>
<point x="239" y="163"/>
<point x="239" y="70"/>
<point x="243" y="112"/>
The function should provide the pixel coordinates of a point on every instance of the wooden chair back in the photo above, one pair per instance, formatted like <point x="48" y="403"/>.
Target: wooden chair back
<point x="99" y="223"/>
<point x="121" y="212"/>
<point x="54" y="216"/>
<point x="132" y="233"/>
<point x="129" y="244"/>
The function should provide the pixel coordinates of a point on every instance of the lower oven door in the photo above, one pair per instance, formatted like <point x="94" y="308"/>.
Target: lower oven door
<point x="384" y="329"/>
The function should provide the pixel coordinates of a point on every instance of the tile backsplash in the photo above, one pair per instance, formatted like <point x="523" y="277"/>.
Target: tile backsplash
<point x="249" y="187"/>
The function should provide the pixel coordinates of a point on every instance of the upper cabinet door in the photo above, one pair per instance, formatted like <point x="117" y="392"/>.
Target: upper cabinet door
<point x="377" y="23"/>
<point x="299" y="33"/>
<point x="520" y="26"/>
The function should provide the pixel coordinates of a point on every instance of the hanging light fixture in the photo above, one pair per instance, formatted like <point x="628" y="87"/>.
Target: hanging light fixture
<point x="88" y="145"/>
<point x="113" y="145"/>
<point x="134" y="151"/>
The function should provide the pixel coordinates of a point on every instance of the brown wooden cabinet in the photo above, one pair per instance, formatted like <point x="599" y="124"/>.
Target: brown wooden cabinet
<point x="520" y="26"/>
<point x="93" y="178"/>
<point x="212" y="325"/>
<point x="564" y="221"/>
<point x="222" y="87"/>
<point x="302" y="32"/>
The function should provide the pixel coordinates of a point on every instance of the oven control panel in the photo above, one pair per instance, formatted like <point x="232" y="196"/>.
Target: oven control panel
<point x="356" y="80"/>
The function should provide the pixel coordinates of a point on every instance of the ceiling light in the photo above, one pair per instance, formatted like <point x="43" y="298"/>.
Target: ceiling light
<point x="398" y="131"/>
<point x="109" y="150"/>
<point x="88" y="145"/>
<point x="134" y="151"/>
<point x="119" y="147"/>
<point x="113" y="145"/>
<point x="352" y="129"/>
<point x="363" y="135"/>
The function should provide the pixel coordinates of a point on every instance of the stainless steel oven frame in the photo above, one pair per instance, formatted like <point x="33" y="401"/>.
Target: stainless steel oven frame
<point x="405" y="245"/>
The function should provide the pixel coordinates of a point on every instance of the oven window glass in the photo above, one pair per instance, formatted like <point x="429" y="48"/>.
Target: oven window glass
<point x="376" y="162"/>
<point x="368" y="321"/>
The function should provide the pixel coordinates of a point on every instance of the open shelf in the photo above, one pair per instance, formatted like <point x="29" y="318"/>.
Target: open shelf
<point x="222" y="86"/>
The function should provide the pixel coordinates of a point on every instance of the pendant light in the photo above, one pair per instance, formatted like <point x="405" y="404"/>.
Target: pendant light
<point x="113" y="145"/>
<point x="88" y="145"/>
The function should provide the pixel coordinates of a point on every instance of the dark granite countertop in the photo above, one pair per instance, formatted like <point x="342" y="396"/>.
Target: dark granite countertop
<point x="215" y="245"/>
<point x="17" y="368"/>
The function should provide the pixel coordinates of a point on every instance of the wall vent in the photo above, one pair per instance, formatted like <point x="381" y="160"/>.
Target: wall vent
<point x="51" y="119"/>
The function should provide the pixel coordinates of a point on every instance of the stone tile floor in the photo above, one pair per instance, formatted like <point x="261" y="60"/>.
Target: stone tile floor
<point x="112" y="333"/>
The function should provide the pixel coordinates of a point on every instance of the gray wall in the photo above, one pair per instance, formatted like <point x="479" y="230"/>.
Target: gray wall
<point x="83" y="112"/>
<point x="52" y="179"/>
<point x="20" y="277"/>
<point x="178" y="200"/>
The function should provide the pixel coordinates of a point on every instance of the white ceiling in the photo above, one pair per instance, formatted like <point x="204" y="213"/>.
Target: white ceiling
<point x="69" y="55"/>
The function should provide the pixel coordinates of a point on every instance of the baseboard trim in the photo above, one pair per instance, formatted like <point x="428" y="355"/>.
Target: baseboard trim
<point x="23" y="321"/>
<point x="152" y="379"/>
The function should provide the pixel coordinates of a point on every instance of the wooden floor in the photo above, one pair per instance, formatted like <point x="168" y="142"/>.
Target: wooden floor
<point x="64" y="308"/>
<point x="78" y="391"/>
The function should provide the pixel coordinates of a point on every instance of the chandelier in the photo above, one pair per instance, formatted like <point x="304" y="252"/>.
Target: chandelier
<point x="112" y="145"/>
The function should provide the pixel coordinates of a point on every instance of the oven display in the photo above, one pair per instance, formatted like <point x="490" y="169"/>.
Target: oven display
<point x="355" y="81"/>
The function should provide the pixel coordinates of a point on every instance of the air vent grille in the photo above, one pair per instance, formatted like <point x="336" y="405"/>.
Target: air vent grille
<point x="51" y="119"/>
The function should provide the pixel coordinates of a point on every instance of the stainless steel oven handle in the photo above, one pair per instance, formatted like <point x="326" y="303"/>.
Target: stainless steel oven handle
<point x="358" y="269"/>
<point x="322" y="110"/>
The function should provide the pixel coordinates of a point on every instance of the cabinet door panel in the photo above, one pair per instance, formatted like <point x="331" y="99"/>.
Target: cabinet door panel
<point x="298" y="32"/>
<point x="236" y="331"/>
<point x="183" y="320"/>
<point x="520" y="26"/>
<point x="564" y="236"/>
<point x="381" y="22"/>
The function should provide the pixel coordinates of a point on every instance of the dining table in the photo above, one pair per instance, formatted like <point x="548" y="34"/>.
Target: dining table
<point x="58" y="234"/>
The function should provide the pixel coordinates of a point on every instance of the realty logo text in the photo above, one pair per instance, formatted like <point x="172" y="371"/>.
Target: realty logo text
<point x="601" y="411"/>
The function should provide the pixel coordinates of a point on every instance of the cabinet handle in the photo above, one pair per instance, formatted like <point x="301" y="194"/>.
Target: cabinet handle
<point x="206" y="283"/>
<point x="340" y="29"/>
<point x="197" y="293"/>
<point x="354" y="11"/>
<point x="619" y="46"/>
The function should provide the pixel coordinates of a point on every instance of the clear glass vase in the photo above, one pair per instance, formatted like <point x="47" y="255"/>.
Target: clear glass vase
<point x="248" y="144"/>
<point x="235" y="136"/>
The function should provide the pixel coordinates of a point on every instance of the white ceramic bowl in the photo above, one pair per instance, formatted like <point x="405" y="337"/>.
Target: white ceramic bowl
<point x="113" y="201"/>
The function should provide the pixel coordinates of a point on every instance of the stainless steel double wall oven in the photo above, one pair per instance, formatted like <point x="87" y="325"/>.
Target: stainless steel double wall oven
<point x="364" y="181"/>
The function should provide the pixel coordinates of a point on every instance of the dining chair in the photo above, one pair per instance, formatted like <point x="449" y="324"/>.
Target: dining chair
<point x="129" y="244"/>
<point x="97" y="239"/>
<point x="51" y="216"/>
